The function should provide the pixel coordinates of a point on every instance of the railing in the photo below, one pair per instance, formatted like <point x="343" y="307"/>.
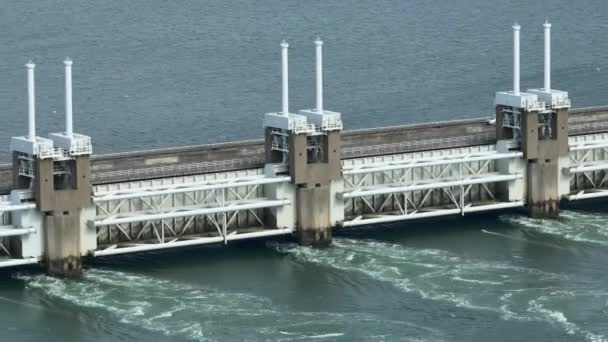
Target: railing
<point x="9" y="232"/>
<point x="103" y="177"/>
<point x="430" y="144"/>
<point x="182" y="214"/>
<point x="588" y="169"/>
<point x="331" y="124"/>
<point x="406" y="189"/>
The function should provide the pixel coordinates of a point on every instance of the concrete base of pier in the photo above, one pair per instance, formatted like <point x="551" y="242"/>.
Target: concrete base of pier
<point x="62" y="243"/>
<point x="314" y="219"/>
<point x="543" y="191"/>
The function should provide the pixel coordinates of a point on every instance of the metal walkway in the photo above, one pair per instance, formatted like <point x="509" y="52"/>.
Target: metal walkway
<point x="166" y="216"/>
<point x="588" y="165"/>
<point x="422" y="188"/>
<point x="8" y="231"/>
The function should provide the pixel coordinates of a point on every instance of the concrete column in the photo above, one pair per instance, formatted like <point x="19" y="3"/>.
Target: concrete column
<point x="313" y="214"/>
<point x="543" y="185"/>
<point x="316" y="181"/>
<point x="545" y="179"/>
<point x="502" y="133"/>
<point x="62" y="243"/>
<point x="65" y="202"/>
<point x="271" y="156"/>
<point x="298" y="158"/>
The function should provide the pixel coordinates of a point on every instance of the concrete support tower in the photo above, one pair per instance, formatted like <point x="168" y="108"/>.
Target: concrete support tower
<point x="538" y="120"/>
<point x="57" y="172"/>
<point x="307" y="146"/>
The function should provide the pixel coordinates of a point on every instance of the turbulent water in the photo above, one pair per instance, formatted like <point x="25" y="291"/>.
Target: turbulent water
<point x="483" y="279"/>
<point x="154" y="73"/>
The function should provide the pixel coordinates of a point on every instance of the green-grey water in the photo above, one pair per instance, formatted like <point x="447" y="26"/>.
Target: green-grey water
<point x="158" y="73"/>
<point x="505" y="278"/>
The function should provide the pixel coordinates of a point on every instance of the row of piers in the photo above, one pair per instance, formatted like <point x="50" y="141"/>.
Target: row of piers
<point x="55" y="173"/>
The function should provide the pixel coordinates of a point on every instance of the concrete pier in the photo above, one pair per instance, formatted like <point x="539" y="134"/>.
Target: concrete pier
<point x="544" y="143"/>
<point x="314" y="163"/>
<point x="63" y="190"/>
<point x="305" y="178"/>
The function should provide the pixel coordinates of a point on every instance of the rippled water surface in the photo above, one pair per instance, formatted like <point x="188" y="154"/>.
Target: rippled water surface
<point x="477" y="279"/>
<point x="161" y="73"/>
<point x="155" y="73"/>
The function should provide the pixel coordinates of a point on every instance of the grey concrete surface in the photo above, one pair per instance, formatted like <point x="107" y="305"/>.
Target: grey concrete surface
<point x="120" y="167"/>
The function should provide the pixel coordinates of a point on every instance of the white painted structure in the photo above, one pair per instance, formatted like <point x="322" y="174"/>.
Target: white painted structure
<point x="552" y="98"/>
<point x="31" y="144"/>
<point x="221" y="207"/>
<point x="427" y="184"/>
<point x="68" y="142"/>
<point x="218" y="207"/>
<point x="322" y="120"/>
<point x="190" y="210"/>
<point x="19" y="219"/>
<point x="516" y="98"/>
<point x="588" y="167"/>
<point x="285" y="120"/>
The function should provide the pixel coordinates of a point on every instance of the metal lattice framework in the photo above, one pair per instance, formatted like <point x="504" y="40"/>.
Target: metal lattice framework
<point x="9" y="231"/>
<point x="174" y="215"/>
<point x="419" y="188"/>
<point x="588" y="165"/>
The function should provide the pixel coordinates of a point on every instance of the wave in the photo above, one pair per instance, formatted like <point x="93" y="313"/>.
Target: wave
<point x="205" y="314"/>
<point x="438" y="275"/>
<point x="557" y="318"/>
<point x="573" y="225"/>
<point x="527" y="241"/>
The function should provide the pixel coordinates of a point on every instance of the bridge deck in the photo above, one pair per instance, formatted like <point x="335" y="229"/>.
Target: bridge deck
<point x="178" y="161"/>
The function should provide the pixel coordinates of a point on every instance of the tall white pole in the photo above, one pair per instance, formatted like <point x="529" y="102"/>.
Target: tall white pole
<point x="319" y="72"/>
<point x="547" y="26"/>
<point x="69" y="128"/>
<point x="285" y="78"/>
<point x="516" y="29"/>
<point x="31" y="102"/>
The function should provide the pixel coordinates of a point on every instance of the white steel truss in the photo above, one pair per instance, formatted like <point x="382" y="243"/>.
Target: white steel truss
<point x="167" y="216"/>
<point x="588" y="169"/>
<point x="8" y="231"/>
<point x="421" y="188"/>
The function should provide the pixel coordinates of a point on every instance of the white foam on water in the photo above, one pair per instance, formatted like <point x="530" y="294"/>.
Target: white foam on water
<point x="426" y="269"/>
<point x="586" y="227"/>
<point x="510" y="237"/>
<point x="475" y="281"/>
<point x="558" y="318"/>
<point x="442" y="276"/>
<point x="325" y="335"/>
<point x="200" y="314"/>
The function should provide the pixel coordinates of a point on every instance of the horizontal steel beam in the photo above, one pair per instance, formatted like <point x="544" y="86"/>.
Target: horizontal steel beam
<point x="193" y="242"/>
<point x="185" y="187"/>
<point x="589" y="145"/>
<point x="17" y="262"/>
<point x="587" y="195"/>
<point x="408" y="164"/>
<point x="493" y="178"/>
<point x="191" y="212"/>
<point x="588" y="167"/>
<point x="6" y="231"/>
<point x="430" y="214"/>
<point x="6" y="207"/>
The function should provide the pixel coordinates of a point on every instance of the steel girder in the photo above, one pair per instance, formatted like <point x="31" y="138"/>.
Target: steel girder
<point x="8" y="232"/>
<point x="183" y="214"/>
<point x="588" y="169"/>
<point x="422" y="188"/>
